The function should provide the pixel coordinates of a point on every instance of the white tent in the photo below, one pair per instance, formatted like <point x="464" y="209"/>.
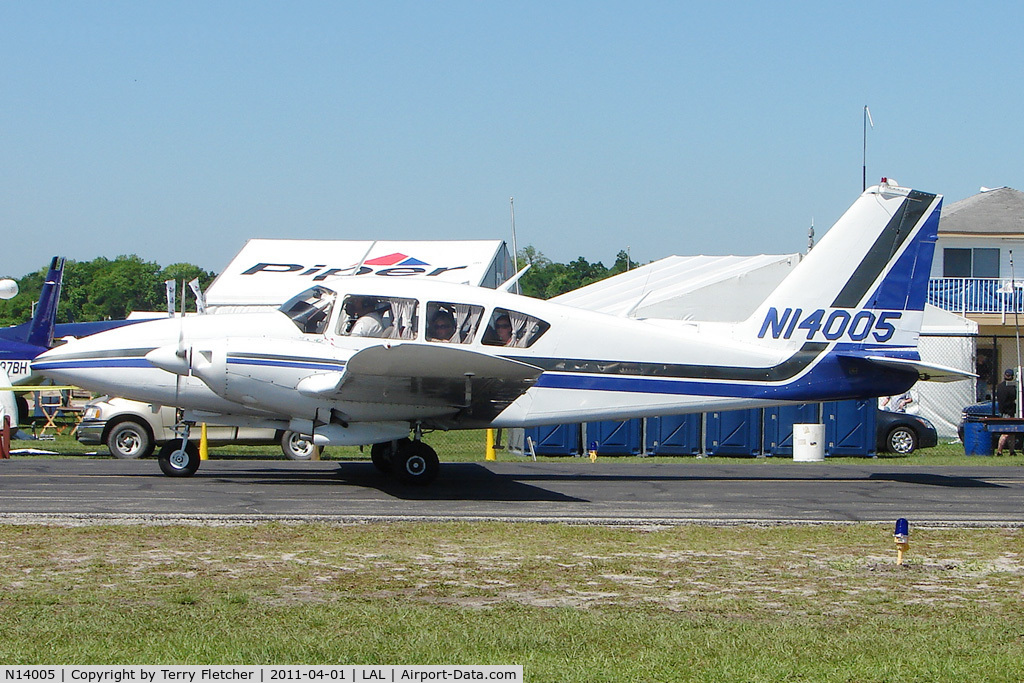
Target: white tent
<point x="712" y="288"/>
<point x="730" y="288"/>
<point x="946" y="339"/>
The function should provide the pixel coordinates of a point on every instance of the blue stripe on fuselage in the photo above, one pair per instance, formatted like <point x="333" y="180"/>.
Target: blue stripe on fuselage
<point x="832" y="378"/>
<point x="335" y="366"/>
<point x="87" y="363"/>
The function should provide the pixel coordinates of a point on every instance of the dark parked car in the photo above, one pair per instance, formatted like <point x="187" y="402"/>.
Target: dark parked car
<point x="903" y="433"/>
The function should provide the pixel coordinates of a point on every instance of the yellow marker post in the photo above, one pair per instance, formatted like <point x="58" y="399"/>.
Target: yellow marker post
<point x="204" y="451"/>
<point x="490" y="453"/>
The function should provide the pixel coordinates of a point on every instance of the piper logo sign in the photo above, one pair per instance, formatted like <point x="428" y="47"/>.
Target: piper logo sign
<point x="392" y="265"/>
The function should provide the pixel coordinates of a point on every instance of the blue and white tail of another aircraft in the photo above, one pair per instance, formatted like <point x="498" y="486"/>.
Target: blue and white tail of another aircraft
<point x="21" y="343"/>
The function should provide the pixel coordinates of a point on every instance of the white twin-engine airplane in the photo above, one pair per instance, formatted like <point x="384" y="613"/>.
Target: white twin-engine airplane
<point x="353" y="361"/>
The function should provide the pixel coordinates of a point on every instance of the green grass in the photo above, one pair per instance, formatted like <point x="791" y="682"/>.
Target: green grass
<point x="821" y="603"/>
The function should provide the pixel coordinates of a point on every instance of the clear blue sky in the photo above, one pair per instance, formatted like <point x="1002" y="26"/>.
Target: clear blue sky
<point x="178" y="130"/>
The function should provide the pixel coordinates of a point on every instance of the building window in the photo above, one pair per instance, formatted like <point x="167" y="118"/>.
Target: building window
<point x="986" y="263"/>
<point x="981" y="262"/>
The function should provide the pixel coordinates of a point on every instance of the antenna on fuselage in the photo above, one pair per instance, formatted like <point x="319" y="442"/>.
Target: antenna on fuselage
<point x="513" y="281"/>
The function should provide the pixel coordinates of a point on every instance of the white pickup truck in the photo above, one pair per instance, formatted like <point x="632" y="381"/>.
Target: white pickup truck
<point x="131" y="429"/>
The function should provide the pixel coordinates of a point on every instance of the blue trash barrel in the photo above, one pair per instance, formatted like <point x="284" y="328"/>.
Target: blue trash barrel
<point x="977" y="439"/>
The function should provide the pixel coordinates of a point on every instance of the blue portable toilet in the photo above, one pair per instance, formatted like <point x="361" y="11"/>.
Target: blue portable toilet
<point x="850" y="427"/>
<point x="554" y="439"/>
<point x="778" y="426"/>
<point x="673" y="435"/>
<point x="734" y="432"/>
<point x="615" y="438"/>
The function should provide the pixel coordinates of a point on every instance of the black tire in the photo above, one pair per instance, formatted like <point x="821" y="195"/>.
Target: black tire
<point x="902" y="440"/>
<point x="23" y="413"/>
<point x="381" y="454"/>
<point x="295" y="446"/>
<point x="415" y="463"/>
<point x="129" y="440"/>
<point x="175" y="462"/>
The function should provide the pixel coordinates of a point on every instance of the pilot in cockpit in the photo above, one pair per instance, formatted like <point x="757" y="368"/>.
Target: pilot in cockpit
<point x="368" y="315"/>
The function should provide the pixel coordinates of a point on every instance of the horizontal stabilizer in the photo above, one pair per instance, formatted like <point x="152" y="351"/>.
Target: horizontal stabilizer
<point x="926" y="372"/>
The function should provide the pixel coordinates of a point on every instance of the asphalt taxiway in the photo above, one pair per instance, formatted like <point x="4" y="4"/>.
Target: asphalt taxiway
<point x="70" y="490"/>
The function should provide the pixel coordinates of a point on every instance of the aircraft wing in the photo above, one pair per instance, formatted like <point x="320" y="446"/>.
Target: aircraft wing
<point x="474" y="386"/>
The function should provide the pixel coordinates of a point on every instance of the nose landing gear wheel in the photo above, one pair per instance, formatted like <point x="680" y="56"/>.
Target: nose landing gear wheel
<point x="176" y="461"/>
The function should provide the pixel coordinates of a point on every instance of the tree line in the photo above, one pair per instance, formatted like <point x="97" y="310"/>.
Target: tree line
<point x="105" y="289"/>
<point x="102" y="289"/>
<point x="546" y="279"/>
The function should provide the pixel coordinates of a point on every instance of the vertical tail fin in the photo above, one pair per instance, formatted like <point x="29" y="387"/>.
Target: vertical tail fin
<point x="40" y="331"/>
<point x="864" y="285"/>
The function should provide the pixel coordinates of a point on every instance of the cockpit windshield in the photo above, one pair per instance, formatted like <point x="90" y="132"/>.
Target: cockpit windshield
<point x="311" y="309"/>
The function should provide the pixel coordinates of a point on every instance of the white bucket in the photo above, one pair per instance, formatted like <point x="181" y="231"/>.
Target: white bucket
<point x="808" y="443"/>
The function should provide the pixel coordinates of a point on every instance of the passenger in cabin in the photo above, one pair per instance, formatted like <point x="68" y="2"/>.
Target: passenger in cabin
<point x="500" y="331"/>
<point x="369" y="318"/>
<point x="441" y="327"/>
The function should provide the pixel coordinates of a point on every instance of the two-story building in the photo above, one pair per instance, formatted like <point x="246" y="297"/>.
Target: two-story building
<point x="978" y="272"/>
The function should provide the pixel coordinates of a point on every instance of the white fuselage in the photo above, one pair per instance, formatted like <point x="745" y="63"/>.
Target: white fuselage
<point x="251" y="366"/>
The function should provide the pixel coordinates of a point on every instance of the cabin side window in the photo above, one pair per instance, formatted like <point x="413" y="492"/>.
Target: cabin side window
<point x="387" y="317"/>
<point x="310" y="310"/>
<point x="452" y="323"/>
<point x="511" y="328"/>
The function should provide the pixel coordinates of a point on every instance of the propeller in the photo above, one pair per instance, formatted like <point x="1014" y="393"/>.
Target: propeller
<point x="174" y="359"/>
<point x="178" y="358"/>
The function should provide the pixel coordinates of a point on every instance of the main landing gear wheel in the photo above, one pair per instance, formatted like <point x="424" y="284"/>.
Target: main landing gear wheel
<point x="413" y="462"/>
<point x="176" y="461"/>
<point x="381" y="454"/>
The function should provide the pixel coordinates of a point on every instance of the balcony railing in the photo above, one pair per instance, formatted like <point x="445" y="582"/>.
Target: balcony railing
<point x="977" y="295"/>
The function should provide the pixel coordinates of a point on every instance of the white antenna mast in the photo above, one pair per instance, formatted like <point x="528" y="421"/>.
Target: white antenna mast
<point x="515" y="248"/>
<point x="1016" y="328"/>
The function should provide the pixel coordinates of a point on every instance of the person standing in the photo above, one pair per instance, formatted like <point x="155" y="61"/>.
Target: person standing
<point x="1006" y="400"/>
